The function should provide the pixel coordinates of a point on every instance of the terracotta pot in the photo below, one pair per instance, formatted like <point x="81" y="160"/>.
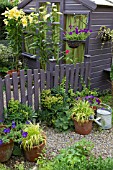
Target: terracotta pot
<point x="32" y="154"/>
<point x="84" y="128"/>
<point x="12" y="71"/>
<point x="6" y="151"/>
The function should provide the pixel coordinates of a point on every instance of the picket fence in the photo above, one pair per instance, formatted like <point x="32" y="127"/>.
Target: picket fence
<point x="27" y="87"/>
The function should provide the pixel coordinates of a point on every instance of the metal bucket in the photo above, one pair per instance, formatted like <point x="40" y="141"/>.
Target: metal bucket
<point x="104" y="116"/>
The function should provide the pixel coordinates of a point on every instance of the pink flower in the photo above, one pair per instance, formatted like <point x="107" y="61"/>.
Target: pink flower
<point x="67" y="51"/>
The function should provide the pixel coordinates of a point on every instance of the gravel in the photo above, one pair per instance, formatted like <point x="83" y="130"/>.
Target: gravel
<point x="102" y="140"/>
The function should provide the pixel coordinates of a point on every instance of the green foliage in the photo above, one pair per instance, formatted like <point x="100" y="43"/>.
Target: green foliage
<point x="35" y="136"/>
<point x="3" y="167"/>
<point x="76" y="157"/>
<point x="18" y="112"/>
<point x="55" y="104"/>
<point x="111" y="73"/>
<point x="82" y="111"/>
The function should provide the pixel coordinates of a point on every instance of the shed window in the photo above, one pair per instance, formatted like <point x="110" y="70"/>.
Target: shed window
<point x="75" y="55"/>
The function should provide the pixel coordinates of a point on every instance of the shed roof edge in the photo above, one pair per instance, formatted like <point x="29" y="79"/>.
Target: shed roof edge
<point x="91" y="5"/>
<point x="23" y="4"/>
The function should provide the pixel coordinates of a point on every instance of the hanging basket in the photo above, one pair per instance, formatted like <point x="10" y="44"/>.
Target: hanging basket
<point x="74" y="43"/>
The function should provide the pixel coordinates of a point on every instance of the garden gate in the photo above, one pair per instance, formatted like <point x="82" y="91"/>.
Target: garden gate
<point x="27" y="87"/>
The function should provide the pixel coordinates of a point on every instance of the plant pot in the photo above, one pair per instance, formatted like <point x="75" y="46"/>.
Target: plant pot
<point x="10" y="72"/>
<point x="83" y="128"/>
<point x="32" y="154"/>
<point x="6" y="151"/>
<point x="74" y="43"/>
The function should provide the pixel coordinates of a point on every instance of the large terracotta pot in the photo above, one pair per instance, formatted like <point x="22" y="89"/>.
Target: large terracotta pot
<point x="83" y="128"/>
<point x="10" y="72"/>
<point x="6" y="151"/>
<point x="32" y="154"/>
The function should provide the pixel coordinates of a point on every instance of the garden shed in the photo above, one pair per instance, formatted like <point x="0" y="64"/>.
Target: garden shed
<point x="98" y="13"/>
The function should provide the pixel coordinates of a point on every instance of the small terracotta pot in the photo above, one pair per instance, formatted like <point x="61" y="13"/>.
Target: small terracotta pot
<point x="10" y="72"/>
<point x="6" y="151"/>
<point x="83" y="128"/>
<point x="32" y="154"/>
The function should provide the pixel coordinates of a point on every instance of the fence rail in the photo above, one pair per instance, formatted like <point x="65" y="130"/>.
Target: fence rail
<point x="27" y="87"/>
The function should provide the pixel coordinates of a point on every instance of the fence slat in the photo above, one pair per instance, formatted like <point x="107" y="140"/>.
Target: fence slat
<point x="62" y="72"/>
<point x="87" y="67"/>
<point x="42" y="80"/>
<point x="56" y="79"/>
<point x="8" y="89"/>
<point x="72" y="75"/>
<point x="76" y="77"/>
<point x="29" y="86"/>
<point x="67" y="77"/>
<point x="1" y="100"/>
<point x="48" y="79"/>
<point x="36" y="89"/>
<point x="81" y="76"/>
<point x="22" y="87"/>
<point x="15" y="86"/>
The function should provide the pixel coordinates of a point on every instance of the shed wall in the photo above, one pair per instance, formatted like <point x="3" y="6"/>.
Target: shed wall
<point x="101" y="58"/>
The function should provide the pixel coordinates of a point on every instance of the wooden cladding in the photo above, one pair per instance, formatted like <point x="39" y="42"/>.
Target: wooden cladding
<point x="27" y="87"/>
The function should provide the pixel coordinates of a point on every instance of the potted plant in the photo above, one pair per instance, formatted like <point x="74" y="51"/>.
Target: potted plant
<point x="80" y="114"/>
<point x="33" y="141"/>
<point x="74" y="37"/>
<point x="8" y="135"/>
<point x="105" y="34"/>
<point x="111" y="77"/>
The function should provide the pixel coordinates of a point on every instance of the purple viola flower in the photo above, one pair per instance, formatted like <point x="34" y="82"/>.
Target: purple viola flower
<point x="13" y="124"/>
<point x="76" y="30"/>
<point x="27" y="122"/>
<point x="1" y="121"/>
<point x="70" y="33"/>
<point x="97" y="100"/>
<point x="90" y="30"/>
<point x="70" y="26"/>
<point x="1" y="141"/>
<point x="6" y="130"/>
<point x="24" y="134"/>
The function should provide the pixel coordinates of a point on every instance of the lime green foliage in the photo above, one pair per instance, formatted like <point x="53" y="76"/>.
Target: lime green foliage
<point x="111" y="73"/>
<point x="55" y="104"/>
<point x="3" y="167"/>
<point x="82" y="111"/>
<point x="35" y="136"/>
<point x="18" y="112"/>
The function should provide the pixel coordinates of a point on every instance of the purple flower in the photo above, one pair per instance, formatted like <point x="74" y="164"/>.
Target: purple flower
<point x="6" y="130"/>
<point x="1" y="141"/>
<point x="13" y="124"/>
<point x="76" y="30"/>
<point x="70" y="33"/>
<point x="97" y="100"/>
<point x="27" y="122"/>
<point x="70" y="26"/>
<point x="1" y="121"/>
<point x="24" y="134"/>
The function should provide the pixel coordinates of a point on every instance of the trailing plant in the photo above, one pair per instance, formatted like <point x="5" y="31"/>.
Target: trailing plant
<point x="18" y="112"/>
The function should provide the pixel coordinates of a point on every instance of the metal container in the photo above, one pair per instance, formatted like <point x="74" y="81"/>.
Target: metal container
<point x="104" y="116"/>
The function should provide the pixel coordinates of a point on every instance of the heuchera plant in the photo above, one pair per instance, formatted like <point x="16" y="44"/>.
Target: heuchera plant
<point x="75" y="34"/>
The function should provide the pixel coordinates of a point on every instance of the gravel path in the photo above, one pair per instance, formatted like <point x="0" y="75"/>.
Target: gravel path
<point x="102" y="140"/>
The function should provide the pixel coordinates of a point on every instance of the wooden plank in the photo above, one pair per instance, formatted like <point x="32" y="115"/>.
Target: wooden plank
<point x="99" y="68"/>
<point x="76" y="78"/>
<point x="101" y="62"/>
<point x="15" y="86"/>
<point x="75" y="7"/>
<point x="72" y="75"/>
<point x="101" y="21"/>
<point x="36" y="89"/>
<point x="42" y="80"/>
<point x="1" y="100"/>
<point x="81" y="76"/>
<point x="102" y="15"/>
<point x="56" y="79"/>
<point x="100" y="51"/>
<point x="22" y="87"/>
<point x="67" y="77"/>
<point x="8" y="89"/>
<point x="62" y="72"/>
<point x="100" y="57"/>
<point x="86" y="76"/>
<point x="48" y="79"/>
<point x="29" y="86"/>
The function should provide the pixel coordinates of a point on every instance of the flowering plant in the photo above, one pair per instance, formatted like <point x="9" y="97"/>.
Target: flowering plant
<point x="10" y="132"/>
<point x="75" y="34"/>
<point x="93" y="100"/>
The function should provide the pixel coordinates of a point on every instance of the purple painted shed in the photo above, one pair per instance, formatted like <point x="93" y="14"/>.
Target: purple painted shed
<point x="100" y="12"/>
